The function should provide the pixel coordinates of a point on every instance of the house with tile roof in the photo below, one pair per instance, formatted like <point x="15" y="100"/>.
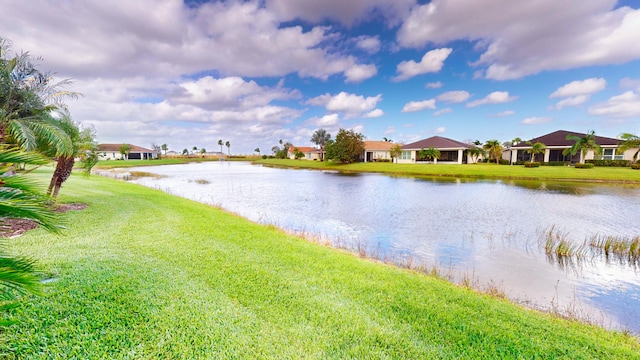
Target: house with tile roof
<point x="377" y="151"/>
<point x="112" y="152"/>
<point x="451" y="151"/>
<point x="556" y="142"/>
<point x="310" y="153"/>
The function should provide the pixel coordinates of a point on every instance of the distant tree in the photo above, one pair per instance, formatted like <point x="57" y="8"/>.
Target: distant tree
<point x="275" y="149"/>
<point x="347" y="147"/>
<point x="630" y="141"/>
<point x="164" y="148"/>
<point x="494" y="149"/>
<point x="476" y="152"/>
<point x="387" y="140"/>
<point x="203" y="151"/>
<point x="536" y="148"/>
<point x="429" y="154"/>
<point x="583" y="145"/>
<point x="516" y="141"/>
<point x="257" y="150"/>
<point x="220" y="143"/>
<point x="228" y="145"/>
<point x="395" y="152"/>
<point x="477" y="143"/>
<point x="185" y="152"/>
<point x="320" y="138"/>
<point x="195" y="148"/>
<point x="124" y="150"/>
<point x="297" y="154"/>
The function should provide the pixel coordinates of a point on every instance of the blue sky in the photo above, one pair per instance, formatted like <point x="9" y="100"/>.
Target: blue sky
<point x="254" y="72"/>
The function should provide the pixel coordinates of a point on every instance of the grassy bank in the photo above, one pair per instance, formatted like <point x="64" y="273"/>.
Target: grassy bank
<point x="145" y="275"/>
<point x="480" y="171"/>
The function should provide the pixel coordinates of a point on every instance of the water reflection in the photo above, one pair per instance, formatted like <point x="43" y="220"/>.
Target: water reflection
<point x="486" y="230"/>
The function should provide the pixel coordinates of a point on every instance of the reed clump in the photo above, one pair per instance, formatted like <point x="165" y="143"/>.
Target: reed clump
<point x="619" y="247"/>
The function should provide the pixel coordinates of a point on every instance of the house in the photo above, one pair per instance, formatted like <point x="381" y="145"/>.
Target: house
<point x="112" y="152"/>
<point x="556" y="142"/>
<point x="377" y="150"/>
<point x="310" y="153"/>
<point x="451" y="151"/>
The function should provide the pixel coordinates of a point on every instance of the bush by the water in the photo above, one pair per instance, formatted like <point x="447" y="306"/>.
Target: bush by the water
<point x="584" y="166"/>
<point x="531" y="164"/>
<point x="635" y="166"/>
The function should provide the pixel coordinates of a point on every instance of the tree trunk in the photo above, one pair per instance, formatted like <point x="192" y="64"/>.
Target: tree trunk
<point x="61" y="174"/>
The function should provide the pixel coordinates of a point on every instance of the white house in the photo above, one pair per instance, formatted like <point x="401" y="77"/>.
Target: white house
<point x="451" y="151"/>
<point x="112" y="152"/>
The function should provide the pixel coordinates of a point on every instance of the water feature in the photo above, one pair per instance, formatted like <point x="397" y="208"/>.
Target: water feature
<point x="480" y="231"/>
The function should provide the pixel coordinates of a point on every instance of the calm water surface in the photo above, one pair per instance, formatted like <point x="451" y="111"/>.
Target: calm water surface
<point x="487" y="232"/>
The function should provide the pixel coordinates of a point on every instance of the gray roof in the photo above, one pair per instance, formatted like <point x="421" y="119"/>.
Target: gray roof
<point x="559" y="138"/>
<point x="437" y="142"/>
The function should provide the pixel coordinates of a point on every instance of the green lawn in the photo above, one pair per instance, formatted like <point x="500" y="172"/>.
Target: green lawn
<point x="145" y="275"/>
<point x="484" y="171"/>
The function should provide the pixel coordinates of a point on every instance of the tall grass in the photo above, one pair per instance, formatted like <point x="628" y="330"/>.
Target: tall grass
<point x="624" y="249"/>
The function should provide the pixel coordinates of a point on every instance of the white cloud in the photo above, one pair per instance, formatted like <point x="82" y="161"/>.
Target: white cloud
<point x="390" y="130"/>
<point x="440" y="130"/>
<point x="325" y="121"/>
<point x="413" y="106"/>
<point x="536" y="120"/>
<point x="374" y="113"/>
<point x="496" y="97"/>
<point x="516" y="43"/>
<point x="582" y="87"/>
<point x="454" y="96"/>
<point x="503" y="113"/>
<point x="358" y="73"/>
<point x="431" y="62"/>
<point x="350" y="105"/>
<point x="232" y="92"/>
<point x="629" y="83"/>
<point x="622" y="106"/>
<point x="443" y="111"/>
<point x="370" y="44"/>
<point x="434" y="85"/>
<point x="570" y="102"/>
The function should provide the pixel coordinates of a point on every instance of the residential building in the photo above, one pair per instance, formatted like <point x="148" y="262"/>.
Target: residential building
<point x="310" y="153"/>
<point x="112" y="152"/>
<point x="377" y="150"/>
<point x="451" y="151"/>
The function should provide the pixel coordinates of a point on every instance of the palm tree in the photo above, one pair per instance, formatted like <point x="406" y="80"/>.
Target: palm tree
<point x="20" y="199"/>
<point x="195" y="148"/>
<point x="583" y="145"/>
<point x="84" y="148"/>
<point x="476" y="152"/>
<point x="164" y="148"/>
<point x="185" y="152"/>
<point x="630" y="141"/>
<point x="320" y="137"/>
<point x="257" y="150"/>
<point x="228" y="145"/>
<point x="537" y="148"/>
<point x="430" y="154"/>
<point x="494" y="149"/>
<point x="220" y="143"/>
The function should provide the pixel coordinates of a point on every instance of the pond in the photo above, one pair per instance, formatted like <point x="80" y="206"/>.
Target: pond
<point x="486" y="233"/>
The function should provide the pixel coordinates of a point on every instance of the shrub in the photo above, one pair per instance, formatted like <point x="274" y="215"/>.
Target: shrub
<point x="584" y="166"/>
<point x="504" y="162"/>
<point x="611" y="163"/>
<point x="556" y="163"/>
<point x="530" y="164"/>
<point x="264" y="156"/>
<point x="635" y="166"/>
<point x="383" y="160"/>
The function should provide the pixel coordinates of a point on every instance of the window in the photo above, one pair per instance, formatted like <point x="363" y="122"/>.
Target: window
<point x="406" y="155"/>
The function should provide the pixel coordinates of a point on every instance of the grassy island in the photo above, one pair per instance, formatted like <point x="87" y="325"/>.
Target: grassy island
<point x="140" y="274"/>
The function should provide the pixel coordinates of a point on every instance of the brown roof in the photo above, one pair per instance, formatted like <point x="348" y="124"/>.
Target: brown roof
<point x="116" y="147"/>
<point x="378" y="145"/>
<point x="437" y="142"/>
<point x="559" y="138"/>
<point x="304" y="149"/>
